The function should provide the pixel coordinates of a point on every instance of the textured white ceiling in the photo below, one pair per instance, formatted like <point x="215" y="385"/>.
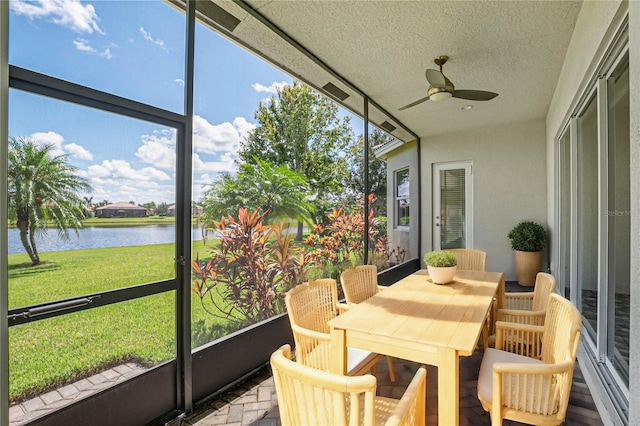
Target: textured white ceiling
<point x="514" y="48"/>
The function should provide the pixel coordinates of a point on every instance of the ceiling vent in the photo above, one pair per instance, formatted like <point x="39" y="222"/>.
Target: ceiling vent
<point x="387" y="126"/>
<point x="218" y="15"/>
<point x="336" y="91"/>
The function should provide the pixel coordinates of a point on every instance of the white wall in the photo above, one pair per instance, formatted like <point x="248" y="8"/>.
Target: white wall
<point x="509" y="183"/>
<point x="404" y="156"/>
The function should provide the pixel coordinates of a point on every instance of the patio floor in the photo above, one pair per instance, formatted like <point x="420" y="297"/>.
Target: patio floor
<point x="254" y="402"/>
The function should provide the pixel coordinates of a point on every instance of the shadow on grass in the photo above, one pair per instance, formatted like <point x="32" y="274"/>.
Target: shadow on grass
<point x="25" y="269"/>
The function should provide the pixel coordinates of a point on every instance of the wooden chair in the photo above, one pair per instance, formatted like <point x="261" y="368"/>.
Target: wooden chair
<point x="532" y="388"/>
<point x="476" y="260"/>
<point x="359" y="284"/>
<point x="307" y="396"/>
<point x="470" y="259"/>
<point x="310" y="306"/>
<point x="529" y="307"/>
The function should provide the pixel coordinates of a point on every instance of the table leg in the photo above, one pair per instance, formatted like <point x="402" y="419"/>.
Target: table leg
<point x="448" y="387"/>
<point x="338" y="351"/>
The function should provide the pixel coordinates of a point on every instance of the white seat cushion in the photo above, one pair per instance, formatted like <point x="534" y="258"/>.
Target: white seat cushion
<point x="490" y="357"/>
<point x="358" y="358"/>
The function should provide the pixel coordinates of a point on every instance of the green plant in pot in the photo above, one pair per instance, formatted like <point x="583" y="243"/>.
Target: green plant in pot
<point x="528" y="240"/>
<point x="441" y="265"/>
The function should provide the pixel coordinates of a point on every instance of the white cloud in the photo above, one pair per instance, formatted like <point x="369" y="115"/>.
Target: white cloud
<point x="212" y="139"/>
<point x="147" y="36"/>
<point x="78" y="151"/>
<point x="71" y="14"/>
<point x="83" y="46"/>
<point x="179" y="82"/>
<point x="159" y="149"/>
<point x="243" y="126"/>
<point x="111" y="171"/>
<point x="51" y="138"/>
<point x="273" y="88"/>
<point x="225" y="164"/>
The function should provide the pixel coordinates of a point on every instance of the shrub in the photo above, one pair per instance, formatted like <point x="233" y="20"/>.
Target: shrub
<point x="440" y="258"/>
<point x="251" y="267"/>
<point x="528" y="236"/>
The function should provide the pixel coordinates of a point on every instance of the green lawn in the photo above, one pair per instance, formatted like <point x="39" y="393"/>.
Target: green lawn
<point x="59" y="350"/>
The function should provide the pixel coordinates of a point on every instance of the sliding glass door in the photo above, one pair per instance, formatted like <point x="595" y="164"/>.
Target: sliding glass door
<point x="594" y="220"/>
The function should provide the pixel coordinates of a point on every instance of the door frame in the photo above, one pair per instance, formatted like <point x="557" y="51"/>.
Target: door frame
<point x="468" y="198"/>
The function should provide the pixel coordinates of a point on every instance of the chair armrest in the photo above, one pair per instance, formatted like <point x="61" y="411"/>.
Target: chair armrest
<point x="344" y="307"/>
<point x="309" y="334"/>
<point x="521" y="317"/>
<point x="411" y="407"/>
<point x="522" y="339"/>
<point x="518" y="300"/>
<point x="538" y="389"/>
<point x="313" y="348"/>
<point x="531" y="369"/>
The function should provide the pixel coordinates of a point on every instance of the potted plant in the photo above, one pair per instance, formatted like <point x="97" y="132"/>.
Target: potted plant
<point x="441" y="265"/>
<point x="528" y="239"/>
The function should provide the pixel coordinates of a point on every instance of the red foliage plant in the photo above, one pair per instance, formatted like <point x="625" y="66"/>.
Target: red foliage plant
<point x="252" y="266"/>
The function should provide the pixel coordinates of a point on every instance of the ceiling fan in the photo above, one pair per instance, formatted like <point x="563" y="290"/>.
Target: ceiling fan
<point x="441" y="88"/>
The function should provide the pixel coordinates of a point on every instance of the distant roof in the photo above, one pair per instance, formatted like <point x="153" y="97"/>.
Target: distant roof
<point x="121" y="205"/>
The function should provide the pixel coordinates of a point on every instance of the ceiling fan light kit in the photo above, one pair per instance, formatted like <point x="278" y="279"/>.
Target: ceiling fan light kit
<point x="442" y="89"/>
<point x="439" y="95"/>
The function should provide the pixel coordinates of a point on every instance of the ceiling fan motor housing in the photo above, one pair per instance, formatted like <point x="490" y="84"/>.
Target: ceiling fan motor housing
<point x="434" y="90"/>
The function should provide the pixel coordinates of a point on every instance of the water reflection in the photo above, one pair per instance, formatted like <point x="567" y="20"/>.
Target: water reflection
<point x="99" y="237"/>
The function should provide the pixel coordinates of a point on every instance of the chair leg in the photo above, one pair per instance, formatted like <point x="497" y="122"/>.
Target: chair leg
<point x="392" y="374"/>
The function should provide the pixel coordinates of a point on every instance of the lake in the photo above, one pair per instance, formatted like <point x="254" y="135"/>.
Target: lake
<point x="98" y="237"/>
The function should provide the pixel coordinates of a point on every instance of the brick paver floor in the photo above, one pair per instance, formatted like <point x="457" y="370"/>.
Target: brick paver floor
<point x="30" y="409"/>
<point x="254" y="402"/>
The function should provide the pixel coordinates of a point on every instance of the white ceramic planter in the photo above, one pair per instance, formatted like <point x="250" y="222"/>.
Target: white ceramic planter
<point x="441" y="275"/>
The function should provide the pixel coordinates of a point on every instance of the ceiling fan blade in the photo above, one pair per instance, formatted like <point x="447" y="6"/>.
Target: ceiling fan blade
<point x="435" y="78"/>
<point x="474" y="95"/>
<point x="412" y="104"/>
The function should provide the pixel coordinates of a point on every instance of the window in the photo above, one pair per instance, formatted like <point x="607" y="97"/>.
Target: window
<point x="402" y="201"/>
<point x="564" y="276"/>
<point x="618" y="221"/>
<point x="594" y="214"/>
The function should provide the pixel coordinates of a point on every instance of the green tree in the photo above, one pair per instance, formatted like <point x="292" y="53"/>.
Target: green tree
<point x="89" y="207"/>
<point x="261" y="186"/>
<point x="377" y="173"/>
<point x="301" y="129"/>
<point x="151" y="207"/>
<point x="43" y="188"/>
<point x="162" y="209"/>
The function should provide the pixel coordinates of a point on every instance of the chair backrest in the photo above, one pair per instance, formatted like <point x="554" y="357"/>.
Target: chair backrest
<point x="311" y="305"/>
<point x="359" y="283"/>
<point x="307" y="396"/>
<point x="471" y="259"/>
<point x="562" y="327"/>
<point x="544" y="286"/>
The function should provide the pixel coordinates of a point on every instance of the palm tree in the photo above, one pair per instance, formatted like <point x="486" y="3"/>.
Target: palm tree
<point x="42" y="188"/>
<point x="260" y="186"/>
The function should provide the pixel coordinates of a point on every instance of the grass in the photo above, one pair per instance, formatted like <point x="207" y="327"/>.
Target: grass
<point x="55" y="351"/>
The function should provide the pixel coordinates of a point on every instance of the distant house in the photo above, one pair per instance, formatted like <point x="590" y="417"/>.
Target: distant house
<point x="121" y="209"/>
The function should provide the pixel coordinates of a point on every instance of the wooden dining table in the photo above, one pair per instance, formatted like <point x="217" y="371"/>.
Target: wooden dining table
<point x="417" y="320"/>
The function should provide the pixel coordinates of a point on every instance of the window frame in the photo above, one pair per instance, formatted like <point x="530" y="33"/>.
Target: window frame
<point x="397" y="198"/>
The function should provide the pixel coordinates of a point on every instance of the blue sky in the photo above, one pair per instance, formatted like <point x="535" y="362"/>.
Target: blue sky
<point x="133" y="49"/>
